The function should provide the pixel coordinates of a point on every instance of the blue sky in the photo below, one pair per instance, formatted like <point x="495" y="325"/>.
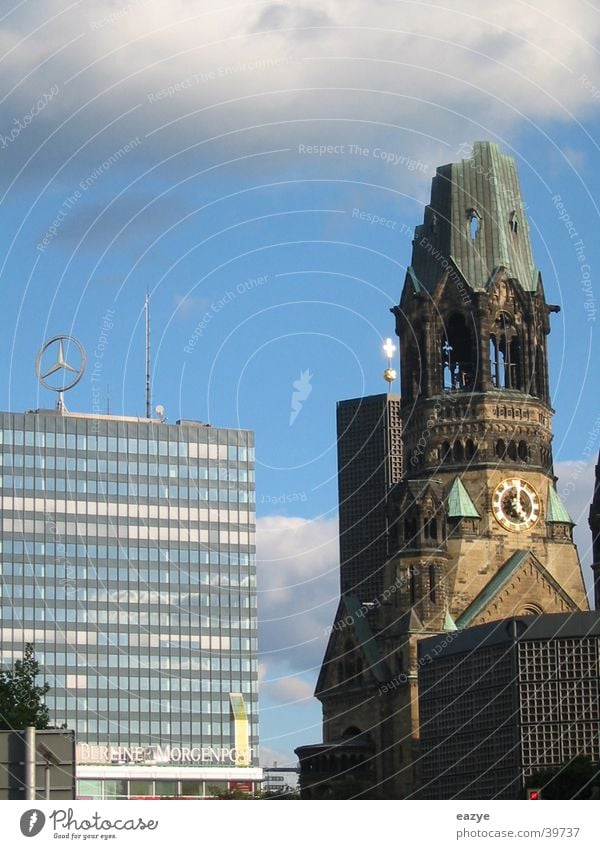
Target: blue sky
<point x="219" y="155"/>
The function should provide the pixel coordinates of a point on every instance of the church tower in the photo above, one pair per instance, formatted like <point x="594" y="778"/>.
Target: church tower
<point x="477" y="531"/>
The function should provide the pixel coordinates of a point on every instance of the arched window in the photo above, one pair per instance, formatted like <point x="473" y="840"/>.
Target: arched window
<point x="432" y="583"/>
<point x="523" y="451"/>
<point x="353" y="731"/>
<point x="445" y="453"/>
<point x="457" y="354"/>
<point x="512" y="450"/>
<point x="501" y="449"/>
<point x="431" y="528"/>
<point x="459" y="453"/>
<point x="505" y="354"/>
<point x="474" y="222"/>
<point x="531" y="610"/>
<point x="412" y="577"/>
<point x="470" y="449"/>
<point x="415" y="360"/>
<point x="513" y="222"/>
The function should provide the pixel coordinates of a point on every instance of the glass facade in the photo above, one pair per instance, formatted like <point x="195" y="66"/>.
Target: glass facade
<point x="127" y="557"/>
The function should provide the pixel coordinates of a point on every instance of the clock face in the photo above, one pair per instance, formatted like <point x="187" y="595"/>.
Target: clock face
<point x="516" y="504"/>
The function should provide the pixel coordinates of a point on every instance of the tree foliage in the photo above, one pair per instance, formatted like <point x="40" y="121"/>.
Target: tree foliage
<point x="21" y="698"/>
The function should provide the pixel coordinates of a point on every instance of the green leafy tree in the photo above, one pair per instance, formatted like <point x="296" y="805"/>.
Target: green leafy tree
<point x="579" y="779"/>
<point x="21" y="698"/>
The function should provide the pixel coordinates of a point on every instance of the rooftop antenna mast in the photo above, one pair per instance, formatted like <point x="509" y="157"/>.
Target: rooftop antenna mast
<point x="148" y="404"/>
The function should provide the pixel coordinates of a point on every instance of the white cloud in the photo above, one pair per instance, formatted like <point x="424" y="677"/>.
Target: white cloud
<point x="298" y="591"/>
<point x="333" y="69"/>
<point x="287" y="691"/>
<point x="575" y="486"/>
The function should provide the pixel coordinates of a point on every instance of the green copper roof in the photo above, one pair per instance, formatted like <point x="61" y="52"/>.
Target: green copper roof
<point x="449" y="623"/>
<point x="459" y="502"/>
<point x="482" y="189"/>
<point x="365" y="637"/>
<point x="556" y="509"/>
<point x="489" y="591"/>
<point x="416" y="284"/>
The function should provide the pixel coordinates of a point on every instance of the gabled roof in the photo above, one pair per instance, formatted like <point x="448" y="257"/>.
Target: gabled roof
<point x="366" y="638"/>
<point x="408" y="622"/>
<point x="351" y="619"/>
<point x="415" y="280"/>
<point x="556" y="512"/>
<point x="459" y="502"/>
<point x="449" y="623"/>
<point x="502" y="577"/>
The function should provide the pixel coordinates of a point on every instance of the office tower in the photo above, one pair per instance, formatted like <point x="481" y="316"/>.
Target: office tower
<point x="477" y="531"/>
<point x="128" y="560"/>
<point x="369" y="464"/>
<point x="504" y="700"/>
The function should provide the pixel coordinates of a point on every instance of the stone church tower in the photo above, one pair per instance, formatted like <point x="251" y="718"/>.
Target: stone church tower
<point x="477" y="530"/>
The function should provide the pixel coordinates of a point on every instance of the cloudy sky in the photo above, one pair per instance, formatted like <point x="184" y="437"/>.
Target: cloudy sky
<point x="220" y="154"/>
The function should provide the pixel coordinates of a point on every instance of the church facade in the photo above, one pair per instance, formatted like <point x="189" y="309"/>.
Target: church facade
<point x="476" y="529"/>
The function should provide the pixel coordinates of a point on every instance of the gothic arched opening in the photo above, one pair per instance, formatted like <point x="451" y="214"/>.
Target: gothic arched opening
<point x="457" y="354"/>
<point x="505" y="354"/>
<point x="446" y="453"/>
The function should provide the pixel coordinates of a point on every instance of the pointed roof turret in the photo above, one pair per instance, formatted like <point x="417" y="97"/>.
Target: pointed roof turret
<point x="449" y="623"/>
<point x="556" y="512"/>
<point x="459" y="502"/>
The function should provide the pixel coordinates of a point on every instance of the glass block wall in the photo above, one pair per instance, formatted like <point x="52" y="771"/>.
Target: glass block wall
<point x="127" y="556"/>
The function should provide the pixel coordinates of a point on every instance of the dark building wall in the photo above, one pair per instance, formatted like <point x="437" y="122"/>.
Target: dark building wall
<point x="502" y="701"/>
<point x="369" y="462"/>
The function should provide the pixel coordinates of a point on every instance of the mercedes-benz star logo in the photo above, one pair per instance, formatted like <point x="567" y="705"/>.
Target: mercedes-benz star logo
<point x="45" y="367"/>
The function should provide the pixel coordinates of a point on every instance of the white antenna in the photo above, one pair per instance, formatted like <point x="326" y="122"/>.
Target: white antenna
<point x="148" y="404"/>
